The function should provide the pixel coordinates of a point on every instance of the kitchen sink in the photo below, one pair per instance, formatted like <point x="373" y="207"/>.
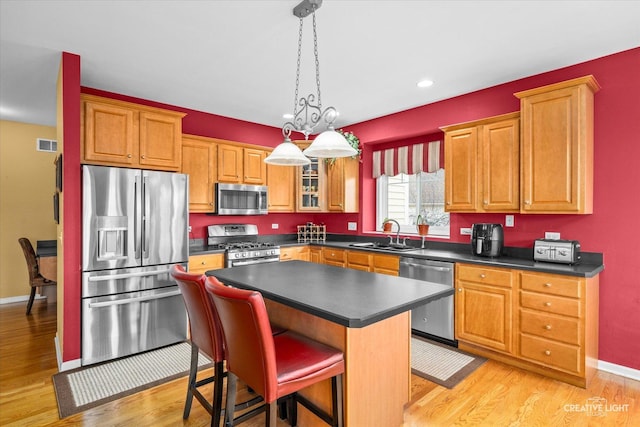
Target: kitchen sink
<point x="383" y="246"/>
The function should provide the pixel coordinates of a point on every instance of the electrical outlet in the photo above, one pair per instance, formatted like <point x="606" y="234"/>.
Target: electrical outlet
<point x="465" y="231"/>
<point x="552" y="235"/>
<point x="508" y="221"/>
<point x="352" y="226"/>
<point x="189" y="229"/>
<point x="275" y="226"/>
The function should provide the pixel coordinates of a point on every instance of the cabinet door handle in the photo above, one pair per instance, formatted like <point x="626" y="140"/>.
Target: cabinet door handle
<point x="482" y="276"/>
<point x="547" y="285"/>
<point x="203" y="263"/>
<point x="128" y="156"/>
<point x="486" y="202"/>
<point x="459" y="289"/>
<point x="547" y="304"/>
<point x="142" y="156"/>
<point x="547" y="352"/>
<point x="547" y="327"/>
<point x="527" y="202"/>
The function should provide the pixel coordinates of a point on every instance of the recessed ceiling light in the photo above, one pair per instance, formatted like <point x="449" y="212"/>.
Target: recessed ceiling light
<point x="425" y="83"/>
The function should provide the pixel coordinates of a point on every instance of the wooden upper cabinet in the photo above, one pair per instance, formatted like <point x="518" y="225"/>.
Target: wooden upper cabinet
<point x="461" y="164"/>
<point x="199" y="161"/>
<point x="482" y="164"/>
<point x="557" y="147"/>
<point x="241" y="165"/>
<point x="281" y="182"/>
<point x="500" y="167"/>
<point x="230" y="163"/>
<point x="160" y="140"/>
<point x="343" y="185"/>
<point x="118" y="133"/>
<point x="255" y="169"/>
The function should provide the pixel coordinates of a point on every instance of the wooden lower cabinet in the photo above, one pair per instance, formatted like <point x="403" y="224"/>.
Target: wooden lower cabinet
<point x="385" y="264"/>
<point x="545" y="323"/>
<point x="315" y="254"/>
<point x="359" y="260"/>
<point x="289" y="253"/>
<point x="199" y="264"/>
<point x="484" y="307"/>
<point x="335" y="257"/>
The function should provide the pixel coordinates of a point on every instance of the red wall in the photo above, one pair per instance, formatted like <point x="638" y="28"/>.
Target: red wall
<point x="611" y="229"/>
<point x="617" y="200"/>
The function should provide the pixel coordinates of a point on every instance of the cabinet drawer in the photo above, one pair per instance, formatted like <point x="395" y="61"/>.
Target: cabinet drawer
<point x="551" y="353"/>
<point x="550" y="304"/>
<point x="294" y="252"/>
<point x="331" y="254"/>
<point x="551" y="284"/>
<point x="202" y="263"/>
<point x="490" y="276"/>
<point x="565" y="329"/>
<point x="386" y="262"/>
<point x="359" y="258"/>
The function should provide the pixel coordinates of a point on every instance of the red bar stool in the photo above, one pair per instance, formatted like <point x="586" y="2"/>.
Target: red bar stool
<point x="206" y="336"/>
<point x="275" y="366"/>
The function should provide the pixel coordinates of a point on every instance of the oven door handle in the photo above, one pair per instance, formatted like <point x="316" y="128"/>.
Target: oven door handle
<point x="128" y="275"/>
<point x="255" y="261"/>
<point x="132" y="300"/>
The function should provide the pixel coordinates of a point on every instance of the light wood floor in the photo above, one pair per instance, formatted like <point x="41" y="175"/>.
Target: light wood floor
<point x="494" y="395"/>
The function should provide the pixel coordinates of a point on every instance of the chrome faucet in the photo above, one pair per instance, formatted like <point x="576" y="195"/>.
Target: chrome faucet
<point x="397" y="234"/>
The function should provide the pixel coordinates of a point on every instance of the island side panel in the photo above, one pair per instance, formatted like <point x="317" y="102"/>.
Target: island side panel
<point x="377" y="366"/>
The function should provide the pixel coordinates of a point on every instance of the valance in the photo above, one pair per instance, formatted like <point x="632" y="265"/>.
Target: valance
<point x="408" y="159"/>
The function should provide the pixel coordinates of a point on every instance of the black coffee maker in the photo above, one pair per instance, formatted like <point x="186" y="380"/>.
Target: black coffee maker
<point x="487" y="240"/>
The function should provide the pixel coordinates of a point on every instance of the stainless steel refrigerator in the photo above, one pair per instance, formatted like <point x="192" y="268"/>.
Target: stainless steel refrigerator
<point x="134" y="229"/>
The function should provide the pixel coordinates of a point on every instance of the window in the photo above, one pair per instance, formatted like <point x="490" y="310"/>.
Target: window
<point x="403" y="197"/>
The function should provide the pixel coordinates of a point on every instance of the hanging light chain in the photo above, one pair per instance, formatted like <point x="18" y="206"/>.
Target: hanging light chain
<point x="295" y="101"/>
<point x="315" y="52"/>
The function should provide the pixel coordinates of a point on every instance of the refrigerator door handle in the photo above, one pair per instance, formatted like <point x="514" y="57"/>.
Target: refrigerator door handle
<point x="132" y="300"/>
<point x="128" y="275"/>
<point x="145" y="218"/>
<point x="137" y="226"/>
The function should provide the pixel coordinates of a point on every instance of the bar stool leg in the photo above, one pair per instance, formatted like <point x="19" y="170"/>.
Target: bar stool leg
<point x="232" y="385"/>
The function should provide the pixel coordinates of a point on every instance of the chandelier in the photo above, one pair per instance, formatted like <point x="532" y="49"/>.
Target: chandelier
<point x="328" y="144"/>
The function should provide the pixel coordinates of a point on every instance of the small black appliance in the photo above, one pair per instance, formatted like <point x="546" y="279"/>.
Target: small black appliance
<point x="487" y="240"/>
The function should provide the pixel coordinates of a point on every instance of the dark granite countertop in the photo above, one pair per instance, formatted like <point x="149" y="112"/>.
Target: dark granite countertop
<point x="351" y="298"/>
<point x="520" y="258"/>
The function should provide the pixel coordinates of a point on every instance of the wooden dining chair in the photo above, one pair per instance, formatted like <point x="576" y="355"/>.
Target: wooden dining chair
<point x="36" y="280"/>
<point x="274" y="366"/>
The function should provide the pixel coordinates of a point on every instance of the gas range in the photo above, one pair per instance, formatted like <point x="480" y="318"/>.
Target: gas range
<point x="240" y="242"/>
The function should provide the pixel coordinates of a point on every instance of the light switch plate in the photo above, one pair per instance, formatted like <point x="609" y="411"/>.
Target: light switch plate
<point x="552" y="235"/>
<point x="275" y="226"/>
<point x="352" y="226"/>
<point x="465" y="231"/>
<point x="508" y="221"/>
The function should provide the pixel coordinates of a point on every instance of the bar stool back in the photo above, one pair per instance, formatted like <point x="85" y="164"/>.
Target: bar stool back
<point x="274" y="367"/>
<point x="206" y="336"/>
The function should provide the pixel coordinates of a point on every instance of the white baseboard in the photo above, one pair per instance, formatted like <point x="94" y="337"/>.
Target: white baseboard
<point x="64" y="366"/>
<point x="623" y="371"/>
<point x="19" y="298"/>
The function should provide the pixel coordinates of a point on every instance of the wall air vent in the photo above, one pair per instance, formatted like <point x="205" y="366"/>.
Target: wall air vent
<point x="49" y="145"/>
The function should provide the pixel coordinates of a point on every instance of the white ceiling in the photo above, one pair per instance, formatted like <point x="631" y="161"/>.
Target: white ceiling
<point x="238" y="58"/>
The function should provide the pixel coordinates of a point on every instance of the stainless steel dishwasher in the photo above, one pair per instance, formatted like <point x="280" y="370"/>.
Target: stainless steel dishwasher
<point x="435" y="319"/>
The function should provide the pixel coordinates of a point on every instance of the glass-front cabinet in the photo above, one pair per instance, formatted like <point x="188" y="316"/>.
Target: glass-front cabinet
<point x="311" y="180"/>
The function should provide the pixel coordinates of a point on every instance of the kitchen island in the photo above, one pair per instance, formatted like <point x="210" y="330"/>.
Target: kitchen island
<point x="366" y="315"/>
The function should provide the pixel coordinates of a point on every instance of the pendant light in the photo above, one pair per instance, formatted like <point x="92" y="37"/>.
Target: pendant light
<point x="328" y="144"/>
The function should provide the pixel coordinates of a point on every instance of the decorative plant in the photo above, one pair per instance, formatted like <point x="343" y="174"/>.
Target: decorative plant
<point x="353" y="141"/>
<point x="422" y="220"/>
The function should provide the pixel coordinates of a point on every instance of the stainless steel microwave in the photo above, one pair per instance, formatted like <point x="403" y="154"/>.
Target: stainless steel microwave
<point x="240" y="199"/>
